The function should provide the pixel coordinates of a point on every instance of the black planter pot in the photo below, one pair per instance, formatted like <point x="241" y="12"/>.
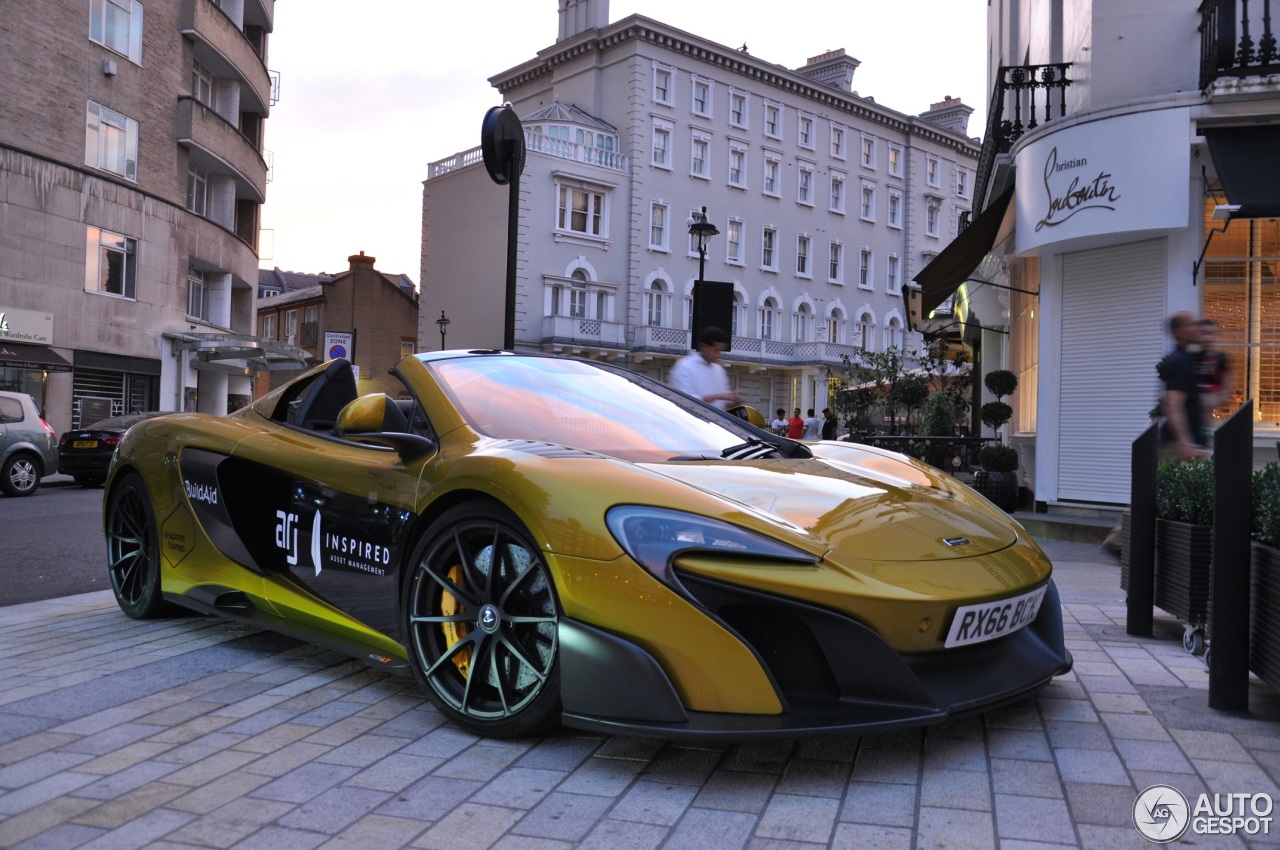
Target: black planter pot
<point x="1264" y="614"/>
<point x="1183" y="567"/>
<point x="1000" y="487"/>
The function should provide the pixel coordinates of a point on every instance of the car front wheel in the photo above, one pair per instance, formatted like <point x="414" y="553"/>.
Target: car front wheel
<point x="481" y="623"/>
<point x="133" y="551"/>
<point x="20" y="475"/>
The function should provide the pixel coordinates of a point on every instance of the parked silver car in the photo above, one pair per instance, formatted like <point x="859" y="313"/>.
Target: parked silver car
<point x="28" y="446"/>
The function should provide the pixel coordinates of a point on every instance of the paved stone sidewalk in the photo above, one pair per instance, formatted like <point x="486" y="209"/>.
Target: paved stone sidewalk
<point x="200" y="733"/>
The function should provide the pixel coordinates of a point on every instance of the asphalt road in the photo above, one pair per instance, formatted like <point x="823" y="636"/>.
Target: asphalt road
<point x="51" y="544"/>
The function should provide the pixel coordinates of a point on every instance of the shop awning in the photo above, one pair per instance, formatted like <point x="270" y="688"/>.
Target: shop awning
<point x="19" y="355"/>
<point x="1245" y="159"/>
<point x="952" y="267"/>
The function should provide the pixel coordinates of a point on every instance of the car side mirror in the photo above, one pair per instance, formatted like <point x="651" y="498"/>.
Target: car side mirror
<point x="375" y="418"/>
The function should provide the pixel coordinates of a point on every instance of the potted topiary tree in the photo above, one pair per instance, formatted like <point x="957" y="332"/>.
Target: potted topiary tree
<point x="998" y="479"/>
<point x="939" y="421"/>
<point x="1184" y="550"/>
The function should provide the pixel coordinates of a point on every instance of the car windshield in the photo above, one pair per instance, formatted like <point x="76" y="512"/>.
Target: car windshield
<point x="586" y="406"/>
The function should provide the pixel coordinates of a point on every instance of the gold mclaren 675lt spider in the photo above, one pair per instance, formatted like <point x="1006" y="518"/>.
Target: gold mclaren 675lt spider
<point x="543" y="540"/>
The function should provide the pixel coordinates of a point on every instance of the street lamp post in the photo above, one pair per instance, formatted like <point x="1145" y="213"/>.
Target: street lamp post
<point x="702" y="230"/>
<point x="443" y="323"/>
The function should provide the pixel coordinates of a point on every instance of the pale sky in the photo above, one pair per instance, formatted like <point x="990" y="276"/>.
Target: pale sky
<point x="371" y="93"/>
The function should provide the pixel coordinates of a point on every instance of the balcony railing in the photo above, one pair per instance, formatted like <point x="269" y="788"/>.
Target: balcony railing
<point x="1024" y="97"/>
<point x="748" y="349"/>
<point x="221" y="148"/>
<point x="1236" y="41"/>
<point x="573" y="330"/>
<point x="565" y="149"/>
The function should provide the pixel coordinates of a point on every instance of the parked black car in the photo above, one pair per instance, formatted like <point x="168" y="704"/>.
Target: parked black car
<point x="85" y="454"/>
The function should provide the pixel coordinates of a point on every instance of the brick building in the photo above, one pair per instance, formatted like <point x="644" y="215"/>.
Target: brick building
<point x="379" y="310"/>
<point x="131" y="177"/>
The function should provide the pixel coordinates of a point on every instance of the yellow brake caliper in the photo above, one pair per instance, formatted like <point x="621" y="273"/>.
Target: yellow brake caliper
<point x="454" y="632"/>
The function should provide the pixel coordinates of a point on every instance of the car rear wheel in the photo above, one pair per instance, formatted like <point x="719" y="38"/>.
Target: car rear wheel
<point x="20" y="475"/>
<point x="481" y="623"/>
<point x="133" y="551"/>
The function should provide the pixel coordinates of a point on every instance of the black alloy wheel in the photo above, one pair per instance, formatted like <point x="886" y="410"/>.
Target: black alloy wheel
<point x="481" y="623"/>
<point x="133" y="551"/>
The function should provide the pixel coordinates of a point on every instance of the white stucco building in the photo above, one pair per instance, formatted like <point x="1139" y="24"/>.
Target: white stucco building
<point x="1128" y="172"/>
<point x="826" y="203"/>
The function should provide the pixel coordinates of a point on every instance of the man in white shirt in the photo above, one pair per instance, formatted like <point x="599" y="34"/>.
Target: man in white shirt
<point x="699" y="372"/>
<point x="812" y="427"/>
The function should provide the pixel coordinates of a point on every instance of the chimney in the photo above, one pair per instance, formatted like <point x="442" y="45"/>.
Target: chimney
<point x="360" y="261"/>
<point x="951" y="114"/>
<point x="832" y="68"/>
<point x="579" y="16"/>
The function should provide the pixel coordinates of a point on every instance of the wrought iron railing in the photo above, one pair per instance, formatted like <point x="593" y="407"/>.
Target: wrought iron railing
<point x="1236" y="41"/>
<point x="1023" y="98"/>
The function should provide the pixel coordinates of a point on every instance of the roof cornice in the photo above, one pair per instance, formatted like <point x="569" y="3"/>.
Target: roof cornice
<point x="642" y="29"/>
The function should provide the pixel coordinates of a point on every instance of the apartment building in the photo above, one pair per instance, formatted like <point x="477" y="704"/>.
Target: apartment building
<point x="131" y="176"/>
<point x="1127" y="172"/>
<point x="825" y="203"/>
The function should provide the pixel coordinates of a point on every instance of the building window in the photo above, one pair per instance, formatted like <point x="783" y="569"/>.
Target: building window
<point x="864" y="269"/>
<point x="835" y="326"/>
<point x="291" y="326"/>
<point x="700" y="165"/>
<point x="117" y="25"/>
<point x="804" y="185"/>
<point x="867" y="208"/>
<point x="868" y="151"/>
<point x="893" y="276"/>
<point x="197" y="190"/>
<point x="733" y="242"/>
<point x="933" y="171"/>
<point x="197" y="294"/>
<point x="578" y="298"/>
<point x="406" y="348"/>
<point x="201" y="84"/>
<point x="767" y="313"/>
<point x="662" y="79"/>
<point x="581" y="211"/>
<point x="737" y="165"/>
<point x="893" y="333"/>
<point x="772" y="168"/>
<point x="932" y="217"/>
<point x="837" y="192"/>
<point x="111" y="263"/>
<point x="269" y="326"/>
<point x="802" y="324"/>
<point x="701" y="97"/>
<point x="802" y="255"/>
<point x="655" y="299"/>
<point x="962" y="182"/>
<point x="772" y="120"/>
<point x="895" y="160"/>
<point x="662" y="144"/>
<point x="838" y="140"/>
<point x="111" y="141"/>
<point x="769" y="249"/>
<point x="862" y="331"/>
<point x="895" y="210"/>
<point x="835" y="266"/>
<point x="804" y="131"/>
<point x="738" y="106"/>
<point x="658" y="227"/>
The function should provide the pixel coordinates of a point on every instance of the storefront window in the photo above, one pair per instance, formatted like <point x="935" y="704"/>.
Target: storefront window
<point x="29" y="381"/>
<point x="1242" y="294"/>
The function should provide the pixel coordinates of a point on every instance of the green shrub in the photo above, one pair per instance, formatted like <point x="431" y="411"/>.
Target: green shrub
<point x="939" y="417"/>
<point x="1184" y="491"/>
<point x="1266" y="504"/>
<point x="995" y="413"/>
<point x="1001" y="382"/>
<point x="998" y="458"/>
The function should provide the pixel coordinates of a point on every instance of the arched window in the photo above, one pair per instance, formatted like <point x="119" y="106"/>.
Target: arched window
<point x="578" y="295"/>
<point x="863" y="328"/>
<point x="655" y="299"/>
<point x="835" y="325"/>
<point x="767" y="312"/>
<point x="893" y="333"/>
<point x="802" y="324"/>
<point x="739" y="309"/>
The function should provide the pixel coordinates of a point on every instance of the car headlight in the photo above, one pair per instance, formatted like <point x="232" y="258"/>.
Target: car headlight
<point x="654" y="536"/>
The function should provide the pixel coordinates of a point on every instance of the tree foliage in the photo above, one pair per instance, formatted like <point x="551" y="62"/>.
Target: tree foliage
<point x="897" y="385"/>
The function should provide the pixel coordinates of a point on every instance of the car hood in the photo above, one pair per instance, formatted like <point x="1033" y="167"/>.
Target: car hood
<point x="858" y="505"/>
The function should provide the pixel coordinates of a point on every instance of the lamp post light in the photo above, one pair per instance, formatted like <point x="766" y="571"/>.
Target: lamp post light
<point x="702" y="230"/>
<point x="443" y="323"/>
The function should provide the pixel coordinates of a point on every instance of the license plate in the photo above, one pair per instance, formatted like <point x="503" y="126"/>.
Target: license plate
<point x="990" y="620"/>
<point x="85" y="444"/>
